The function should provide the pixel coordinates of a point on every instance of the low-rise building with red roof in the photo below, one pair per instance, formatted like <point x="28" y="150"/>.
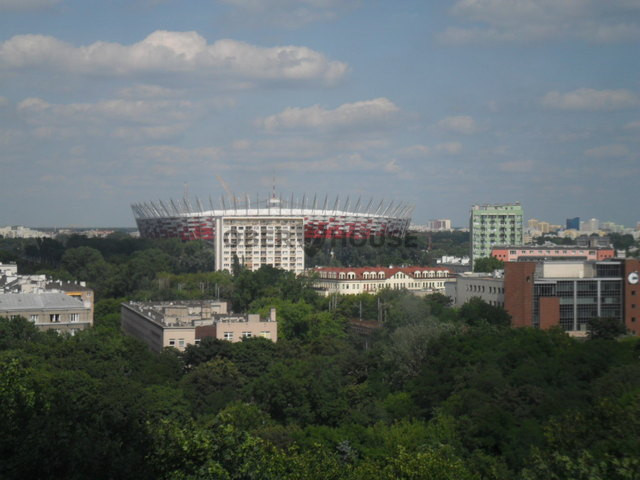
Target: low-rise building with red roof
<point x="352" y="281"/>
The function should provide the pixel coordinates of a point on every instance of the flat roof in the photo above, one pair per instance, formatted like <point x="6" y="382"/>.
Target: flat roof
<point x="16" y="302"/>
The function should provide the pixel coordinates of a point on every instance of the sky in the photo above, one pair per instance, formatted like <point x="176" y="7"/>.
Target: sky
<point x="441" y="104"/>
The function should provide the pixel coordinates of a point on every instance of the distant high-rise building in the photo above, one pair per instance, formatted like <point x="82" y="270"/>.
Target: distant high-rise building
<point x="492" y="225"/>
<point x="573" y="223"/>
<point x="592" y="225"/>
<point x="440" y="224"/>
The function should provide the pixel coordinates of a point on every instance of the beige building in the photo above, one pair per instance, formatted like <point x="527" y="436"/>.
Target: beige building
<point x="488" y="287"/>
<point x="352" y="281"/>
<point x="48" y="311"/>
<point x="182" y="323"/>
<point x="12" y="282"/>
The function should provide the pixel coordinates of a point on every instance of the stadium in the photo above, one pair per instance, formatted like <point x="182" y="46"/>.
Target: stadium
<point x="273" y="231"/>
<point x="321" y="219"/>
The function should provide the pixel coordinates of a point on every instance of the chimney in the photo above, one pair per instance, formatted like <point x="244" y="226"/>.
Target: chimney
<point x="272" y="314"/>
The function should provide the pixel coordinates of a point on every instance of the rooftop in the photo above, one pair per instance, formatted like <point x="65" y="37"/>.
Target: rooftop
<point x="190" y="313"/>
<point x="16" y="302"/>
<point x="388" y="271"/>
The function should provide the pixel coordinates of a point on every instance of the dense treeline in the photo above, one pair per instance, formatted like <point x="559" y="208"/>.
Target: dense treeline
<point x="435" y="393"/>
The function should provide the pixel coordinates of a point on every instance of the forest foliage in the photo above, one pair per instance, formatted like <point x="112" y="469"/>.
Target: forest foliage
<point x="434" y="393"/>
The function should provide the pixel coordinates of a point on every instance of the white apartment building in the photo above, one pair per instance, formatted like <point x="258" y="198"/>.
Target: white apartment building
<point x="257" y="241"/>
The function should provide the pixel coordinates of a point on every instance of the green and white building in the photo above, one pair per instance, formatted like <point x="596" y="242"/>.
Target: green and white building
<point x="492" y="225"/>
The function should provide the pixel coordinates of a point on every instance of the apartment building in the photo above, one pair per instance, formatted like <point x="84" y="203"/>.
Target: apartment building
<point x="182" y="323"/>
<point x="48" y="311"/>
<point x="257" y="241"/>
<point x="492" y="225"/>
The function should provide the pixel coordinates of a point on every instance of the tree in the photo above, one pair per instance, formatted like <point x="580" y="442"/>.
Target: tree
<point x="85" y="263"/>
<point x="476" y="311"/>
<point x="605" y="328"/>
<point x="487" y="264"/>
<point x="212" y="385"/>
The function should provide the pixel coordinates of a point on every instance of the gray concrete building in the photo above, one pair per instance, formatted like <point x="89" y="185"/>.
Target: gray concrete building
<point x="488" y="287"/>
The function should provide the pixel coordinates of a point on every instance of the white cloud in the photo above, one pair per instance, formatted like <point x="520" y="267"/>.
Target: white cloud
<point x="415" y="151"/>
<point x="459" y="124"/>
<point x="590" y="99"/>
<point x="169" y="160"/>
<point x="292" y="13"/>
<point x="608" y="151"/>
<point x="527" y="20"/>
<point x="165" y="51"/>
<point x="369" y="113"/>
<point x="149" y="91"/>
<point x="130" y="120"/>
<point x="450" y="148"/>
<point x="39" y="112"/>
<point x="26" y="4"/>
<point x="633" y="125"/>
<point x="339" y="163"/>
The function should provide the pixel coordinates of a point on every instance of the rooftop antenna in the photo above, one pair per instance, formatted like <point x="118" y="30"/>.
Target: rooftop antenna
<point x="273" y="186"/>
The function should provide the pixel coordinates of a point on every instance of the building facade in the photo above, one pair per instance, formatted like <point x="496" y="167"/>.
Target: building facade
<point x="48" y="311"/>
<point x="179" y="324"/>
<point x="540" y="253"/>
<point x="492" y="225"/>
<point x="573" y="223"/>
<point x="488" y="287"/>
<point x="353" y="281"/>
<point x="256" y="241"/>
<point x="569" y="294"/>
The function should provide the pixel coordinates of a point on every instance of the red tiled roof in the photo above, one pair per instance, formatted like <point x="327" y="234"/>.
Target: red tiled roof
<point x="388" y="271"/>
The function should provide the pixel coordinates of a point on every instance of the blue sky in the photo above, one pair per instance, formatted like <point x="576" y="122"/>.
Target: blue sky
<point x="441" y="104"/>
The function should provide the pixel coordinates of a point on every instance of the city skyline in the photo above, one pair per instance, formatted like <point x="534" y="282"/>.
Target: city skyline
<point x="440" y="105"/>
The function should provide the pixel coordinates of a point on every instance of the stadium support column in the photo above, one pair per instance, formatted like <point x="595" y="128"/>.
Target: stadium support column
<point x="219" y="242"/>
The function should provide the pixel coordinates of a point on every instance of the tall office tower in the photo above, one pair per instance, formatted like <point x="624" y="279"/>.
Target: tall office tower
<point x="492" y="225"/>
<point x="573" y="223"/>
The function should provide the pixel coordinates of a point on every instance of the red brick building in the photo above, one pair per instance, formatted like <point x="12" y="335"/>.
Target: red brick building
<point x="569" y="294"/>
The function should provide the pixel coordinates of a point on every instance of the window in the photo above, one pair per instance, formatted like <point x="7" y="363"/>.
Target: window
<point x="181" y="342"/>
<point x="265" y="334"/>
<point x="54" y="317"/>
<point x="228" y="335"/>
<point x="172" y="342"/>
<point x="74" y="317"/>
<point x="33" y="318"/>
<point x="247" y="334"/>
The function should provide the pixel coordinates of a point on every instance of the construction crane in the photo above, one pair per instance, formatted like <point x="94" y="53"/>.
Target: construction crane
<point x="224" y="184"/>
